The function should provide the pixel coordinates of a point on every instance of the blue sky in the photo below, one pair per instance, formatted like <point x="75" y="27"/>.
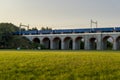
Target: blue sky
<point x="61" y="13"/>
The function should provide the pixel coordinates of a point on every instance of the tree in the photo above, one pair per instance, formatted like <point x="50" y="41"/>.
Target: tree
<point x="8" y="40"/>
<point x="6" y="32"/>
<point x="109" y="45"/>
<point x="81" y="44"/>
<point x="34" y="28"/>
<point x="19" y="41"/>
<point x="46" y="28"/>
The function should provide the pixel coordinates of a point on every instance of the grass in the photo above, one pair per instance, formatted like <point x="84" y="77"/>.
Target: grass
<point x="59" y="65"/>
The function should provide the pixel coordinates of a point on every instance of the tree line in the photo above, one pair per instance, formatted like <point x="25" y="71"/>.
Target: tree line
<point x="10" y="41"/>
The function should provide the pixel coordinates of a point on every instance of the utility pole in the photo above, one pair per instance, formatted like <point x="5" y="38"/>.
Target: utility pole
<point x="21" y="25"/>
<point x="93" y="22"/>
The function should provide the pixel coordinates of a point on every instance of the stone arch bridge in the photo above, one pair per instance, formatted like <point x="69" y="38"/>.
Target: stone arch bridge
<point x="77" y="41"/>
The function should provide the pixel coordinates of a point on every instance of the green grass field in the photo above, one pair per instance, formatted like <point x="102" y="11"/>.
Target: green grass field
<point x="59" y="65"/>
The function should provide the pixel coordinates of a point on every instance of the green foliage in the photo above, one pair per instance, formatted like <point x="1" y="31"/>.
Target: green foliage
<point x="19" y="41"/>
<point x="46" y="28"/>
<point x="109" y="45"/>
<point x="59" y="65"/>
<point x="35" y="45"/>
<point x="34" y="28"/>
<point x="82" y="44"/>
<point x="8" y="40"/>
<point x="6" y="30"/>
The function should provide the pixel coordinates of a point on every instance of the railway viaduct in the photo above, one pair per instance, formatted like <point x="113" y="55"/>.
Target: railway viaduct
<point x="77" y="41"/>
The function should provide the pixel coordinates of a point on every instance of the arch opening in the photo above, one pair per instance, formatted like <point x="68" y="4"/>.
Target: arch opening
<point x="79" y="43"/>
<point x="57" y="43"/>
<point x="36" y="40"/>
<point x="118" y="43"/>
<point x="108" y="43"/>
<point x="93" y="44"/>
<point x="46" y="43"/>
<point x="68" y="43"/>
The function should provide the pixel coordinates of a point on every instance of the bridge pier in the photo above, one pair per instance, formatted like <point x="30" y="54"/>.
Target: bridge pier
<point x="62" y="44"/>
<point x="114" y="45"/>
<point x="51" y="44"/>
<point x="73" y="44"/>
<point x="86" y="46"/>
<point x="99" y="42"/>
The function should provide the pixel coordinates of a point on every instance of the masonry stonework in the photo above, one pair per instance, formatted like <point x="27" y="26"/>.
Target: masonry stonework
<point x="73" y="41"/>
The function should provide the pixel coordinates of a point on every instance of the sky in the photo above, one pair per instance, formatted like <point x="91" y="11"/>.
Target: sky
<point x="61" y="14"/>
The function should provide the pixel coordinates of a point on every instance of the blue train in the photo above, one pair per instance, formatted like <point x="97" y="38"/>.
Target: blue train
<point x="68" y="31"/>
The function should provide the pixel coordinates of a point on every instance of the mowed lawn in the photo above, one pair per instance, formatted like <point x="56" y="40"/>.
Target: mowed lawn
<point x="59" y="65"/>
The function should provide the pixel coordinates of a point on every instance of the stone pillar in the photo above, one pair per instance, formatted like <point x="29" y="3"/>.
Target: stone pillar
<point x="41" y="41"/>
<point x="73" y="46"/>
<point x="114" y="45"/>
<point x="99" y="41"/>
<point x="51" y="44"/>
<point x="86" y="43"/>
<point x="62" y="44"/>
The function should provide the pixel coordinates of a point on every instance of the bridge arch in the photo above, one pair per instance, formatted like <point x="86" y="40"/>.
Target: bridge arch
<point x="107" y="43"/>
<point x="79" y="43"/>
<point x="57" y="43"/>
<point x="68" y="43"/>
<point x="36" y="40"/>
<point x="93" y="43"/>
<point x="118" y="43"/>
<point x="46" y="42"/>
